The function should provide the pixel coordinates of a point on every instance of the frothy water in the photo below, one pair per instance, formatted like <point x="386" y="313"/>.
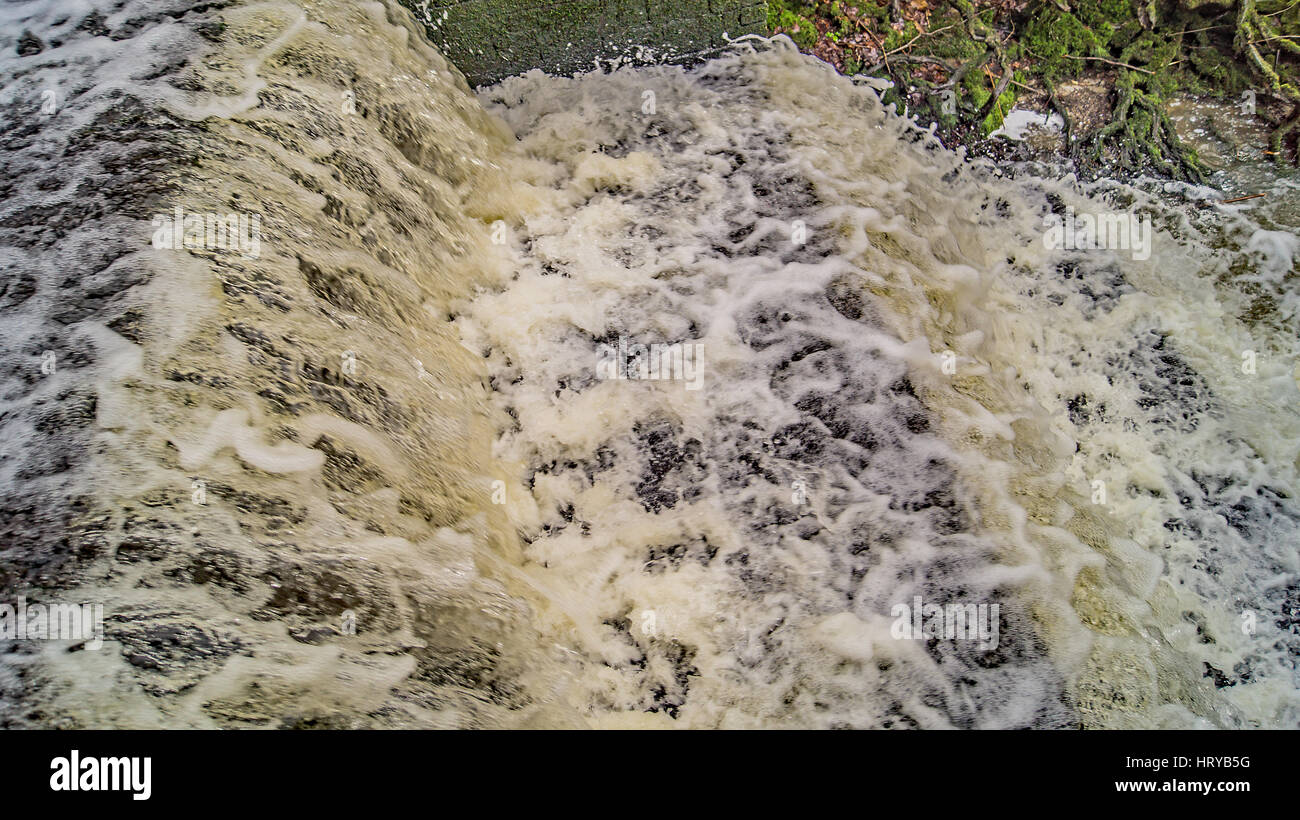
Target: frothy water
<point x="905" y="393"/>
<point x="890" y="402"/>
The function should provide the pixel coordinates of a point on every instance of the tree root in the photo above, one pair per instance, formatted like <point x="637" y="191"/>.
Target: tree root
<point x="964" y="69"/>
<point x="1252" y="29"/>
<point x="1065" y="118"/>
<point x="981" y="33"/>
<point x="1225" y="51"/>
<point x="1140" y="131"/>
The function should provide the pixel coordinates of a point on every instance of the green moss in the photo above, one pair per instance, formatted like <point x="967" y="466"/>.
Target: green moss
<point x="1150" y="49"/>
<point x="1055" y="34"/>
<point x="1000" y="109"/>
<point x="894" y="39"/>
<point x="492" y="39"/>
<point x="952" y="44"/>
<point x="793" y="19"/>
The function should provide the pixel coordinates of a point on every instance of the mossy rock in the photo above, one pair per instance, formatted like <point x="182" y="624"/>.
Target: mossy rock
<point x="490" y="40"/>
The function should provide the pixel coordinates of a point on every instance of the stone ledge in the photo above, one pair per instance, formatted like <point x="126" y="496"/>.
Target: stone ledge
<point x="490" y="40"/>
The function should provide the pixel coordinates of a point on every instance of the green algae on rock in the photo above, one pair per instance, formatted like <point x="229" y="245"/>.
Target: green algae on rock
<point x="490" y="40"/>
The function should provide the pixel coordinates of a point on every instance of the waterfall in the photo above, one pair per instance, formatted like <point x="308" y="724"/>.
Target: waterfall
<point x="718" y="396"/>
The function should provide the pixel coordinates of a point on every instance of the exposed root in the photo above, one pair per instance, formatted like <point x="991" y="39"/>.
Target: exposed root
<point x="1142" y="131"/>
<point x="1253" y="29"/>
<point x="1154" y="48"/>
<point x="1065" y="118"/>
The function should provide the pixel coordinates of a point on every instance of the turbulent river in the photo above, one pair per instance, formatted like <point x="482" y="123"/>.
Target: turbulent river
<point x="661" y="397"/>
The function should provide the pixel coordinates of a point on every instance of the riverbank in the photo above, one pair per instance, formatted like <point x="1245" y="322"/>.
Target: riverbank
<point x="1108" y="71"/>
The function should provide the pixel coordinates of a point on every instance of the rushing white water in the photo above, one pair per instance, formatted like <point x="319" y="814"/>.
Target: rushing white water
<point x="669" y="526"/>
<point x="891" y="390"/>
